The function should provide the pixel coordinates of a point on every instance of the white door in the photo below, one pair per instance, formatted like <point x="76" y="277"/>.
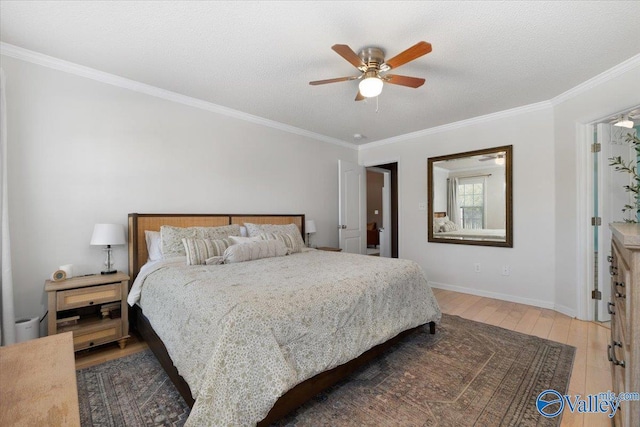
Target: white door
<point x="611" y="198"/>
<point x="352" y="206"/>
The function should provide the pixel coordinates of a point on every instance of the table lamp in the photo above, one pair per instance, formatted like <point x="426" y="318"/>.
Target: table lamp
<point x="310" y="228"/>
<point x="108" y="234"/>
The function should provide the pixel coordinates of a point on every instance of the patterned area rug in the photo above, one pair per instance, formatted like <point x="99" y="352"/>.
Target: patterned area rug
<point x="131" y="391"/>
<point x="467" y="374"/>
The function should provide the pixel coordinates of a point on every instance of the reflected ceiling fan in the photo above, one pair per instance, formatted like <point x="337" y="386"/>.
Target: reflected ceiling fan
<point x="498" y="158"/>
<point x="372" y="65"/>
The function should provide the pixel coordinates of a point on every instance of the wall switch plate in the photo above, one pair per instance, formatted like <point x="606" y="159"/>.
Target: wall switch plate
<point x="375" y="212"/>
<point x="476" y="267"/>
<point x="506" y="270"/>
<point x="422" y="206"/>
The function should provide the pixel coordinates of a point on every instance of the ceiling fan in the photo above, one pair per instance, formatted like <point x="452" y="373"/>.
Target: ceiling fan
<point x="372" y="64"/>
<point x="498" y="158"/>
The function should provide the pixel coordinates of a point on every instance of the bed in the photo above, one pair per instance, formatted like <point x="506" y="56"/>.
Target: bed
<point x="482" y="234"/>
<point x="322" y="317"/>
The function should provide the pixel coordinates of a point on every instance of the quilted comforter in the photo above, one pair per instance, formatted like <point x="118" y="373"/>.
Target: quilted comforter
<point x="243" y="334"/>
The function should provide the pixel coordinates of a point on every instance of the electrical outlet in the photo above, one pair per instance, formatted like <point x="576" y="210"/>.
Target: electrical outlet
<point x="422" y="206"/>
<point x="476" y="267"/>
<point x="506" y="270"/>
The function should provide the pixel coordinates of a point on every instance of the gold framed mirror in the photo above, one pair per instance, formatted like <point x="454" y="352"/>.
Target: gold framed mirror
<point x="470" y="198"/>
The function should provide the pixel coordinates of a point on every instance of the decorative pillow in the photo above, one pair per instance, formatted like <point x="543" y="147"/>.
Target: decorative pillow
<point x="235" y="240"/>
<point x="254" y="250"/>
<point x="450" y="226"/>
<point x="289" y="241"/>
<point x="153" y="245"/>
<point x="199" y="251"/>
<point x="438" y="223"/>
<point x="258" y="229"/>
<point x="171" y="237"/>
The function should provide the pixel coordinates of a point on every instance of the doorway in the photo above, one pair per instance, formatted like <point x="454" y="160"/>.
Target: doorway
<point x="608" y="199"/>
<point x="382" y="209"/>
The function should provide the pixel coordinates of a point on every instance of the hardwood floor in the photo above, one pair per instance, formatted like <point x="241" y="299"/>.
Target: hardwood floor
<point x="591" y="370"/>
<point x="104" y="353"/>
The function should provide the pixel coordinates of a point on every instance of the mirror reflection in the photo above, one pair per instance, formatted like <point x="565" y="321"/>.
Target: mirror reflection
<point x="470" y="198"/>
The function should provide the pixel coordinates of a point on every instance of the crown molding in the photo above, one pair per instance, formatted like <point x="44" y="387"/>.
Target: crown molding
<point x="457" y="125"/>
<point x="601" y="78"/>
<point x="111" y="79"/>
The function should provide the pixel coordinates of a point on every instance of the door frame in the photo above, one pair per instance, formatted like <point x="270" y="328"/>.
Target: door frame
<point x="392" y="165"/>
<point x="386" y="213"/>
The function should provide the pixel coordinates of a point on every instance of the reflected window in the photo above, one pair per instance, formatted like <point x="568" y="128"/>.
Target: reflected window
<point x="471" y="203"/>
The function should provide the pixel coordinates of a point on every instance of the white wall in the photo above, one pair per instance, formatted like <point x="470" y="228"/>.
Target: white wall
<point x="598" y="102"/>
<point x="532" y="259"/>
<point x="82" y="152"/>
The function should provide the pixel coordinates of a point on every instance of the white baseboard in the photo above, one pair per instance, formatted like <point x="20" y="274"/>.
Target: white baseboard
<point x="505" y="297"/>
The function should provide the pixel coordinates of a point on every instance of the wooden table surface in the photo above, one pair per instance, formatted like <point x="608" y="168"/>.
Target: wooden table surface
<point x="38" y="383"/>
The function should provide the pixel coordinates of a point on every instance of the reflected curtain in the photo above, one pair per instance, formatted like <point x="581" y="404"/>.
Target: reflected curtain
<point x="453" y="210"/>
<point x="7" y="328"/>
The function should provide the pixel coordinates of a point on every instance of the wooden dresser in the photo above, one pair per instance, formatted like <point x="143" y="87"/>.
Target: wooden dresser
<point x="38" y="383"/>
<point x="624" y="349"/>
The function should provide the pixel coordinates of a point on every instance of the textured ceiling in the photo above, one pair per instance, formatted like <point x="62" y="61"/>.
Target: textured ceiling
<point x="258" y="57"/>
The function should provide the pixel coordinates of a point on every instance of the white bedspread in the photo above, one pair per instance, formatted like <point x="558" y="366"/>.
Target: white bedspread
<point x="243" y="334"/>
<point x="478" y="234"/>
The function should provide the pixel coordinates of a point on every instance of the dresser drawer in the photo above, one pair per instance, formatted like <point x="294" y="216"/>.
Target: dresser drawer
<point x="83" y="297"/>
<point x="103" y="332"/>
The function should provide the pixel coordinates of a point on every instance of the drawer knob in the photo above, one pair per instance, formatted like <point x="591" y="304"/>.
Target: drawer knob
<point x="91" y="344"/>
<point x="90" y="302"/>
<point x="621" y="284"/>
<point x="619" y="295"/>
<point x="613" y="270"/>
<point x="609" y="258"/>
<point x="609" y="305"/>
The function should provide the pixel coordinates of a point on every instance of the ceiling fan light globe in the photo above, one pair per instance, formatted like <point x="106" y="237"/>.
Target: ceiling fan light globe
<point x="370" y="87"/>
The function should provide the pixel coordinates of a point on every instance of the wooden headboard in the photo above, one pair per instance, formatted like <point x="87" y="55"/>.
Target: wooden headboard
<point x="138" y="223"/>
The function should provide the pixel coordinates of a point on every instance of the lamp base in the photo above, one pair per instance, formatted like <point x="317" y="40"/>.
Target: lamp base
<point x="109" y="272"/>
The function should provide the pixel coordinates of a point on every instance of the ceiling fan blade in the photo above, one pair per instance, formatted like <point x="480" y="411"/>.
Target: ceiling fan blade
<point x="359" y="97"/>
<point x="339" y="79"/>
<point x="347" y="53"/>
<point x="415" y="51"/>
<point x="395" y="79"/>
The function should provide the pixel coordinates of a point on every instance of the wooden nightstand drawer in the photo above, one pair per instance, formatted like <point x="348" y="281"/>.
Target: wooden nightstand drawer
<point x="93" y="307"/>
<point x="83" y="297"/>
<point x="100" y="333"/>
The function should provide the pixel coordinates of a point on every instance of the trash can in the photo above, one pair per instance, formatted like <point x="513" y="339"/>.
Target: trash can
<point x="27" y="329"/>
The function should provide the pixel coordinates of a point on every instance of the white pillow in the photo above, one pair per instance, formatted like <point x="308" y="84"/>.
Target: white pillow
<point x="154" y="248"/>
<point x="258" y="229"/>
<point x="200" y="251"/>
<point x="450" y="226"/>
<point x="254" y="250"/>
<point x="171" y="237"/>
<point x="236" y="240"/>
<point x="289" y="241"/>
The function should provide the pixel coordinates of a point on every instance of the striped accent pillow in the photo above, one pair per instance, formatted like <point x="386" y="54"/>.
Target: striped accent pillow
<point x="200" y="250"/>
<point x="292" y="244"/>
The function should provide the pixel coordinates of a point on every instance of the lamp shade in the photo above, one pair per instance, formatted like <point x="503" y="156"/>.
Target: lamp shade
<point x="310" y="226"/>
<point x="108" y="234"/>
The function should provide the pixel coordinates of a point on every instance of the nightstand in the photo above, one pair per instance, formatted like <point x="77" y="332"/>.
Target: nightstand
<point x="93" y="307"/>
<point x="328" y="248"/>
